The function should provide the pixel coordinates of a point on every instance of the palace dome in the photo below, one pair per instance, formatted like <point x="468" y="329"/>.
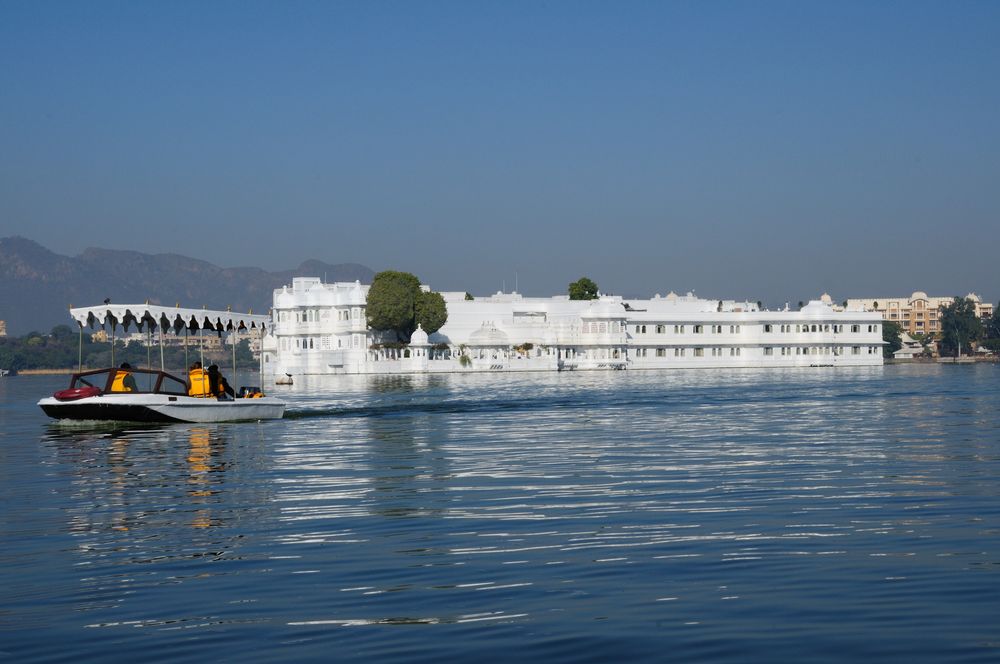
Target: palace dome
<point x="419" y="337"/>
<point x="816" y="306"/>
<point x="489" y="335"/>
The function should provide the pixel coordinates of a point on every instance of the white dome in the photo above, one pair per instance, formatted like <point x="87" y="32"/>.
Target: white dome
<point x="489" y="335"/>
<point x="816" y="306"/>
<point x="419" y="337"/>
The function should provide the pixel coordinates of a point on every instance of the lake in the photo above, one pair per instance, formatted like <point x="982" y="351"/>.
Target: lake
<point x="703" y="515"/>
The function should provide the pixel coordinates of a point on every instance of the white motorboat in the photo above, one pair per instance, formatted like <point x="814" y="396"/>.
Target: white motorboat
<point x="92" y="396"/>
<point x="130" y="394"/>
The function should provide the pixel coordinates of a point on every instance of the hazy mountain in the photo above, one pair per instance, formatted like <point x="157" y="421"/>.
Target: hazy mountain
<point x="37" y="285"/>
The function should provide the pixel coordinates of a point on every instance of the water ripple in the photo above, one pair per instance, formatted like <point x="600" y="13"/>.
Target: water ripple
<point x="827" y="515"/>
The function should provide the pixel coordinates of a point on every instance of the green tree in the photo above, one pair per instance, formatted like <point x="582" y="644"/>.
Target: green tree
<point x="960" y="327"/>
<point x="61" y="351"/>
<point x="583" y="289"/>
<point x="10" y="358"/>
<point x="392" y="301"/>
<point x="892" y="336"/>
<point x="431" y="311"/>
<point x="63" y="333"/>
<point x="396" y="303"/>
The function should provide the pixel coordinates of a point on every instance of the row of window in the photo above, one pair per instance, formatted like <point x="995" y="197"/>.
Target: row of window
<point x="768" y="351"/>
<point x="682" y="329"/>
<point x="603" y="327"/>
<point x="315" y="343"/>
<point x="817" y="327"/>
<point x="822" y="350"/>
<point x="768" y="327"/>
<point x="681" y="352"/>
<point x="316" y="315"/>
<point x="597" y="327"/>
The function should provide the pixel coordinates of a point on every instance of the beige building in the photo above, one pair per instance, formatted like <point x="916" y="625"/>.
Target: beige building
<point x="3" y="328"/>
<point x="917" y="314"/>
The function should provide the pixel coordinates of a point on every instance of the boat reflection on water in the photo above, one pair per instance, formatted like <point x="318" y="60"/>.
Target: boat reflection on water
<point x="206" y="472"/>
<point x="139" y="491"/>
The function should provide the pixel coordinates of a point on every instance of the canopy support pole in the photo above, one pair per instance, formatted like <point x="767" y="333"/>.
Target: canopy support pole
<point x="233" y="339"/>
<point x="80" y="370"/>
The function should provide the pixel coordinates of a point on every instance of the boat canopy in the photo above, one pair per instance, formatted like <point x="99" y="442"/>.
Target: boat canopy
<point x="153" y="316"/>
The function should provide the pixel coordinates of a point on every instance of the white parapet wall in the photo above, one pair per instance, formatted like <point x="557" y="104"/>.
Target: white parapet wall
<point x="321" y="328"/>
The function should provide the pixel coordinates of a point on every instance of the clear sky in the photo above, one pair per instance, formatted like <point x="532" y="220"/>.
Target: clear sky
<point x="760" y="150"/>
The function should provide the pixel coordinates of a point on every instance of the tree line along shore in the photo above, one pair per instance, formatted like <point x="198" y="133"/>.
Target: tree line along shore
<point x="63" y="350"/>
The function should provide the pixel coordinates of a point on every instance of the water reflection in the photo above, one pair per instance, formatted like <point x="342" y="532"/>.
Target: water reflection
<point x="404" y="383"/>
<point x="153" y="497"/>
<point x="408" y="467"/>
<point x="207" y="472"/>
<point x="386" y="465"/>
<point x="661" y="509"/>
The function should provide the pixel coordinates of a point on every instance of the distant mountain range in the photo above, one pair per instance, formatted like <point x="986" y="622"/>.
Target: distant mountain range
<point x="37" y="285"/>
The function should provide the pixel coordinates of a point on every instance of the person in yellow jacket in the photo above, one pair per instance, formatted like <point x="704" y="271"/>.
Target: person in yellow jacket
<point x="198" y="385"/>
<point x="124" y="380"/>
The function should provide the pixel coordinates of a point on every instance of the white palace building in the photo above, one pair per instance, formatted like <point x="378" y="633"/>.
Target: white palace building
<point x="321" y="328"/>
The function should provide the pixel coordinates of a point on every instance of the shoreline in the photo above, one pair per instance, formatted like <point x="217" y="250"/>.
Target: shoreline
<point x="945" y="360"/>
<point x="45" y="372"/>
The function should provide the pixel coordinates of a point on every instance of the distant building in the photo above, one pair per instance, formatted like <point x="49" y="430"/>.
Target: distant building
<point x="209" y="341"/>
<point x="827" y="300"/>
<point x="917" y="314"/>
<point x="254" y="338"/>
<point x="3" y="328"/>
<point x="911" y="348"/>
<point x="137" y="338"/>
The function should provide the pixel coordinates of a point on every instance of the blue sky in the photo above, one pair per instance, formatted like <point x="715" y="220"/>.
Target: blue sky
<point x="766" y="150"/>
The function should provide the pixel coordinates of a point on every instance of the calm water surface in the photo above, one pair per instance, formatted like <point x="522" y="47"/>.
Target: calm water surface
<point x="720" y="516"/>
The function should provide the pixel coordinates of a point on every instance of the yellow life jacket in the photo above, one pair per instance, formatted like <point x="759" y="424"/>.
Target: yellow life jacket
<point x="199" y="383"/>
<point x="119" y="383"/>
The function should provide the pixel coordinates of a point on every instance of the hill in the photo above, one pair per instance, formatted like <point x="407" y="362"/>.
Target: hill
<point x="37" y="285"/>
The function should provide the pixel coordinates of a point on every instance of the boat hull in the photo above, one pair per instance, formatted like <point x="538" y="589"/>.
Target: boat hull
<point x="162" y="408"/>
